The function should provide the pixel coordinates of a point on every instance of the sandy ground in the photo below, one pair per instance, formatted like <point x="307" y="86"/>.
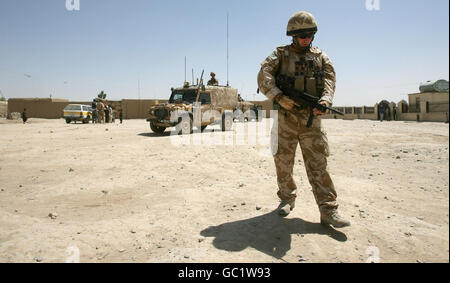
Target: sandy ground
<point x="119" y="193"/>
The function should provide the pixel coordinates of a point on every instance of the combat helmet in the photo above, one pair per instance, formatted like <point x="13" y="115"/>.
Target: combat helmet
<point x="301" y="22"/>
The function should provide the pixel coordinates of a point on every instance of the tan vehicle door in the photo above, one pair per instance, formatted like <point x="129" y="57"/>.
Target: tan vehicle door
<point x="205" y="100"/>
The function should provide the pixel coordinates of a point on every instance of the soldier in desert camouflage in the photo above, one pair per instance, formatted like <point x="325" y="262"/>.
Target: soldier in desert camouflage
<point x="213" y="80"/>
<point x="101" y="112"/>
<point x="313" y="72"/>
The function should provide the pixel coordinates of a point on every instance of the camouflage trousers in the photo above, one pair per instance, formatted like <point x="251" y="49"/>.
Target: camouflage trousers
<point x="313" y="141"/>
<point x="101" y="116"/>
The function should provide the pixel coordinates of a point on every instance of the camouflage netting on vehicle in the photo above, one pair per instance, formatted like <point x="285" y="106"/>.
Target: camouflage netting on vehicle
<point x="223" y="96"/>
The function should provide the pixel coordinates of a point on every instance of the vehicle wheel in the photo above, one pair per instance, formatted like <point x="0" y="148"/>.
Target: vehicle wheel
<point x="68" y="121"/>
<point x="227" y="122"/>
<point x="157" y="129"/>
<point x="245" y="119"/>
<point x="185" y="125"/>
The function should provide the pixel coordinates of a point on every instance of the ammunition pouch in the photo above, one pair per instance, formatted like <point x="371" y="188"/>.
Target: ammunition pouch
<point x="311" y="86"/>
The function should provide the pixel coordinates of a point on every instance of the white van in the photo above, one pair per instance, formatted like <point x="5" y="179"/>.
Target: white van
<point x="77" y="112"/>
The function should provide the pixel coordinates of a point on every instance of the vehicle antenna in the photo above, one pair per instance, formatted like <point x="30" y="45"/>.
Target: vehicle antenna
<point x="227" y="52"/>
<point x="199" y="85"/>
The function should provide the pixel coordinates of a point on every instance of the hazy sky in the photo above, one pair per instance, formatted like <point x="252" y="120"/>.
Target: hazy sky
<point x="111" y="44"/>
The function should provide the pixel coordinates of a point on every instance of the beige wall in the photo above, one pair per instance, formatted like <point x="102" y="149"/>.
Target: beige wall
<point x="38" y="107"/>
<point x="49" y="108"/>
<point x="3" y="109"/>
<point x="138" y="109"/>
<point x="432" y="97"/>
<point x="437" y="110"/>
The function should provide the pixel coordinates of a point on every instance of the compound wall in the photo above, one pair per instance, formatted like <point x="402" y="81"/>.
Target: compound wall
<point x="52" y="108"/>
<point x="3" y="109"/>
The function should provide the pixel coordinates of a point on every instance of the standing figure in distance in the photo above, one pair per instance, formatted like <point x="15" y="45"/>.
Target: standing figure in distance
<point x="107" y="113"/>
<point x="314" y="73"/>
<point x="24" y="115"/>
<point x="94" y="111"/>
<point x="213" y="80"/>
<point x="381" y="112"/>
<point x="101" y="112"/>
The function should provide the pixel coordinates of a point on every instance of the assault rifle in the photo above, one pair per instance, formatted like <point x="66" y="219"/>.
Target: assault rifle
<point x="286" y="85"/>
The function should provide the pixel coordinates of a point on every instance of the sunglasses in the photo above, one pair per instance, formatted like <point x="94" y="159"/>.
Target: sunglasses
<point x="305" y="35"/>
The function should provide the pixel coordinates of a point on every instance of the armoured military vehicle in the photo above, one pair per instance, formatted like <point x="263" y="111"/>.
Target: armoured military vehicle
<point x="217" y="106"/>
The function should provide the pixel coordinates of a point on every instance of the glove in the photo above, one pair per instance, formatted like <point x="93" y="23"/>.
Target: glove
<point x="285" y="102"/>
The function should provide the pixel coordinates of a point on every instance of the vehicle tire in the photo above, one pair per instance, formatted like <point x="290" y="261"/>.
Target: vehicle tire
<point x="185" y="126"/>
<point x="68" y="121"/>
<point x="227" y="122"/>
<point x="245" y="119"/>
<point x="157" y="129"/>
<point x="86" y="121"/>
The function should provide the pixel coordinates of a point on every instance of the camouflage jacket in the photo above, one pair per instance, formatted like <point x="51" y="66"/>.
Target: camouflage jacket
<point x="100" y="106"/>
<point x="283" y="60"/>
<point x="213" y="82"/>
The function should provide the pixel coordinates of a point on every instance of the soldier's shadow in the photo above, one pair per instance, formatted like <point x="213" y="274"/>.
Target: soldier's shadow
<point x="268" y="233"/>
<point x="154" y="135"/>
<point x="168" y="133"/>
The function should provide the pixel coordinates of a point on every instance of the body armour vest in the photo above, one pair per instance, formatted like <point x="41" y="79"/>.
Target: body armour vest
<point x="306" y="68"/>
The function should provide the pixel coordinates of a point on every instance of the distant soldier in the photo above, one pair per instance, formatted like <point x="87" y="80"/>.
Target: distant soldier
<point x="24" y="115"/>
<point x="111" y="115"/>
<point x="381" y="112"/>
<point x="94" y="115"/>
<point x="94" y="112"/>
<point x="394" y="113"/>
<point x="107" y="114"/>
<point x="387" y="114"/>
<point x="213" y="80"/>
<point x="121" y="116"/>
<point x="101" y="112"/>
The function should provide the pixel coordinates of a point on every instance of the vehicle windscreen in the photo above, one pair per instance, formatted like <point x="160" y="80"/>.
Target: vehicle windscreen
<point x="73" y="108"/>
<point x="205" y="98"/>
<point x="186" y="96"/>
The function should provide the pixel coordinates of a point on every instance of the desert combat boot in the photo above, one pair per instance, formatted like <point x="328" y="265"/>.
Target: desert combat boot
<point x="332" y="217"/>
<point x="285" y="208"/>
